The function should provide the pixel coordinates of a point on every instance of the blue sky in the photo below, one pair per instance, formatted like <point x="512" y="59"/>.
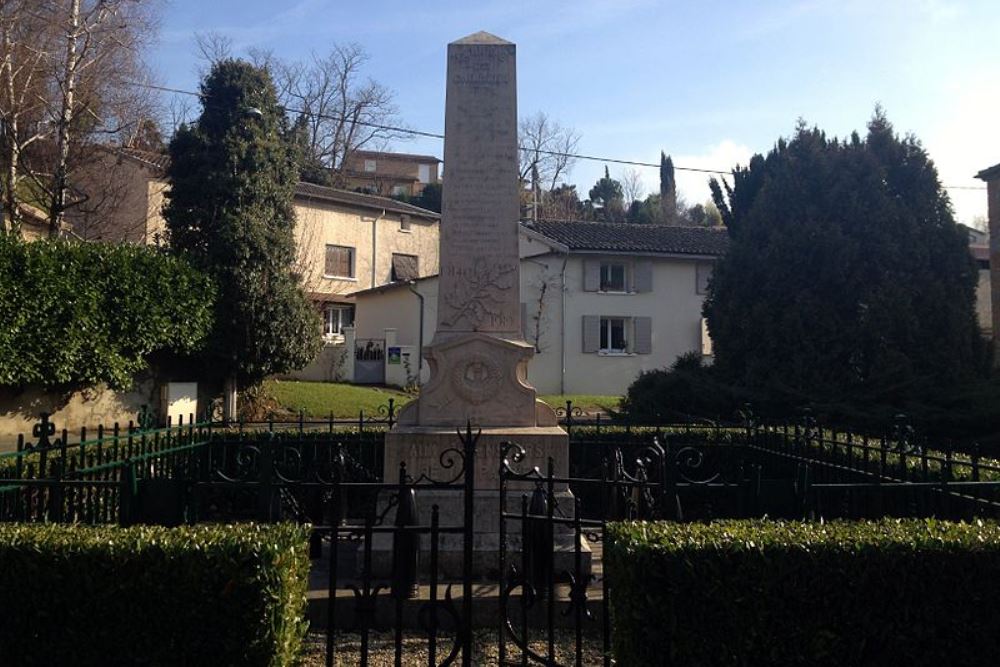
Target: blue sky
<point x="710" y="82"/>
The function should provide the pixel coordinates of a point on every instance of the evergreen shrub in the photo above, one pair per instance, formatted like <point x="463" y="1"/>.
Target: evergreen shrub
<point x="195" y="595"/>
<point x="759" y="592"/>
<point x="84" y="313"/>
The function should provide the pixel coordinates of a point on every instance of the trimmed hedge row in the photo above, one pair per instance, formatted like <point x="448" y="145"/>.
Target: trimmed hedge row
<point x="903" y="592"/>
<point x="199" y="595"/>
<point x="92" y="312"/>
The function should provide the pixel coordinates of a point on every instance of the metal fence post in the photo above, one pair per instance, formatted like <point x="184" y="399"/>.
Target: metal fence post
<point x="267" y="495"/>
<point x="405" y="543"/>
<point x="127" y="493"/>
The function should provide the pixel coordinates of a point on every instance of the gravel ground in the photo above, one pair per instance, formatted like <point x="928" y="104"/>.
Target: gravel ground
<point x="415" y="649"/>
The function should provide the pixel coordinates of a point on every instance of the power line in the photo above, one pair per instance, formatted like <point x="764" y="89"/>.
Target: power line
<point x="436" y="135"/>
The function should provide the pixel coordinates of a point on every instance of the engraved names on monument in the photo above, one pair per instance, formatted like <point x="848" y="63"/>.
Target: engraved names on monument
<point x="479" y="247"/>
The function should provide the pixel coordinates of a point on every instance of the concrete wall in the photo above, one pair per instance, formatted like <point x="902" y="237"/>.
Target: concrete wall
<point x="554" y="321"/>
<point x="19" y="409"/>
<point x="330" y="365"/>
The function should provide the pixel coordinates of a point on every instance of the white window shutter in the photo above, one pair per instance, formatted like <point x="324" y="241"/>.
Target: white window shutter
<point x="643" y="280"/>
<point x="591" y="333"/>
<point x="643" y="335"/>
<point x="591" y="275"/>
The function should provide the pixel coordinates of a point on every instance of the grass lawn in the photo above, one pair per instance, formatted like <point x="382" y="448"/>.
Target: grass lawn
<point x="318" y="399"/>
<point x="586" y="402"/>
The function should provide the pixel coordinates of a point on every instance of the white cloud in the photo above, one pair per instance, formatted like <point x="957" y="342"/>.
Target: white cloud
<point x="692" y="185"/>
<point x="963" y="140"/>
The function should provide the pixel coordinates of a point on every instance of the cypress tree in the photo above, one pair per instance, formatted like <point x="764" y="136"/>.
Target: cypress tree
<point x="233" y="175"/>
<point x="668" y="191"/>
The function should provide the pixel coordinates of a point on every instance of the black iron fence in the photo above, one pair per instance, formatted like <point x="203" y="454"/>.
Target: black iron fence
<point x="409" y="556"/>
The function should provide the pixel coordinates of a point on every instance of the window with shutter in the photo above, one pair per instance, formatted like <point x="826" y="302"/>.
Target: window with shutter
<point x="614" y="277"/>
<point x="339" y="261"/>
<point x="404" y="267"/>
<point x="643" y="327"/>
<point x="703" y="272"/>
<point x="591" y="275"/>
<point x="591" y="333"/>
<point x="613" y="337"/>
<point x="643" y="281"/>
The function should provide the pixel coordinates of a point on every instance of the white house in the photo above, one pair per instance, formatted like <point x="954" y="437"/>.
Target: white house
<point x="601" y="303"/>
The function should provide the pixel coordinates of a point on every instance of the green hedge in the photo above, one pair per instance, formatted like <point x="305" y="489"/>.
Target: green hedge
<point x="92" y="312"/>
<point x="201" y="595"/>
<point x="910" y="592"/>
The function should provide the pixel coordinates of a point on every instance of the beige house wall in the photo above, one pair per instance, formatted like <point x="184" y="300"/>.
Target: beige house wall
<point x="118" y="207"/>
<point x="373" y="235"/>
<point x="554" y="305"/>
<point x="673" y="304"/>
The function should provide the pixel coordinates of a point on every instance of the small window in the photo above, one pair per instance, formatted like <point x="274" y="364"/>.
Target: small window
<point x="335" y="318"/>
<point x="424" y="173"/>
<point x="613" y="338"/>
<point x="400" y="191"/>
<point x="404" y="223"/>
<point x="369" y="165"/>
<point x="613" y="277"/>
<point x="339" y="261"/>
<point x="404" y="267"/>
<point x="703" y="272"/>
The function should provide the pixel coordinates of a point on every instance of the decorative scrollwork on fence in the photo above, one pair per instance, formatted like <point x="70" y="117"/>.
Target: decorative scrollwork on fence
<point x="512" y="454"/>
<point x="429" y="617"/>
<point x="690" y="464"/>
<point x="245" y="465"/>
<point x="451" y="458"/>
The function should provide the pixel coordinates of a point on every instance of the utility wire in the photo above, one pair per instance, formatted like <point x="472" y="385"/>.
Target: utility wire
<point x="436" y="135"/>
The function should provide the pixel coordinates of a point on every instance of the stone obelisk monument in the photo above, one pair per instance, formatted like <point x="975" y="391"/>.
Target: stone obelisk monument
<point x="478" y="359"/>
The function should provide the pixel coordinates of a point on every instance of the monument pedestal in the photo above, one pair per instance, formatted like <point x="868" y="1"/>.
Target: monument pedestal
<point x="436" y="453"/>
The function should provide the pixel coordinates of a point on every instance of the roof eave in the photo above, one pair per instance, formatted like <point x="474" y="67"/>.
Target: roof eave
<point x="990" y="173"/>
<point x="647" y="253"/>
<point x="542" y="238"/>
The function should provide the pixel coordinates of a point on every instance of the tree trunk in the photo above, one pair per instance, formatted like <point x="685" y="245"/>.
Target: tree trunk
<point x="10" y="220"/>
<point x="59" y="185"/>
<point x="229" y="395"/>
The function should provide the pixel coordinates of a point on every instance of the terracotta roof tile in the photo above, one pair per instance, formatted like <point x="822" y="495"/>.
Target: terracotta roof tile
<point x="623" y="237"/>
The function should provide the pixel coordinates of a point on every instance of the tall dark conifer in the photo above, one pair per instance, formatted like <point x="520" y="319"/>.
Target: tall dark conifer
<point x="233" y="175"/>
<point x="847" y="281"/>
<point x="668" y="191"/>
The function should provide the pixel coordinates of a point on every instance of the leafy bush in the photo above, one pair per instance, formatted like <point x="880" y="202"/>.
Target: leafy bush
<point x="688" y="390"/>
<point x="83" y="313"/>
<point x="913" y="592"/>
<point x="202" y="595"/>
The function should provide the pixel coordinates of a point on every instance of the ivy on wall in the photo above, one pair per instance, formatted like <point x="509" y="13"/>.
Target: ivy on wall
<point x="84" y="313"/>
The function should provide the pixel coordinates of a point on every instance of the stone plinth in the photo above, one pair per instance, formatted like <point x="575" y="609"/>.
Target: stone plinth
<point x="436" y="453"/>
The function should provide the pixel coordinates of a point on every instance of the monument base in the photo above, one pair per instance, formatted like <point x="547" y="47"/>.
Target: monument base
<point x="436" y="453"/>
